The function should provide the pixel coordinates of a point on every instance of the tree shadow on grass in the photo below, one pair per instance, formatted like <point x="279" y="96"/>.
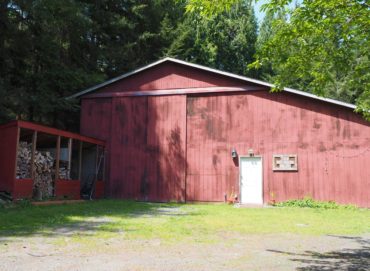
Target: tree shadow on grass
<point x="84" y="219"/>
<point x="342" y="259"/>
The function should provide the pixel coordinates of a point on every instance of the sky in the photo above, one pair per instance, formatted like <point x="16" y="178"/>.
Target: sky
<point x="260" y="15"/>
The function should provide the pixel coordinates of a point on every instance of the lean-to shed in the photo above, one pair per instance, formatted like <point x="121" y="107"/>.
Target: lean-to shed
<point x="184" y="132"/>
<point x="74" y="166"/>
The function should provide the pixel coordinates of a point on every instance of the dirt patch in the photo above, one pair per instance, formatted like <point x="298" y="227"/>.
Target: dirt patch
<point x="162" y="211"/>
<point x="87" y="227"/>
<point x="235" y="251"/>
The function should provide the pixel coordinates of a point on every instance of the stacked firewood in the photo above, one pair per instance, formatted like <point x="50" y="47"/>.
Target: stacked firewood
<point x="44" y="171"/>
<point x="24" y="160"/>
<point x="63" y="170"/>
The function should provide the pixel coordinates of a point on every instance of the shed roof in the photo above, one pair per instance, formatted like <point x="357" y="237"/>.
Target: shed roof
<point x="52" y="131"/>
<point x="215" y="71"/>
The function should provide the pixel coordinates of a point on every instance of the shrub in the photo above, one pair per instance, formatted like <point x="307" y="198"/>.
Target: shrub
<point x="308" y="202"/>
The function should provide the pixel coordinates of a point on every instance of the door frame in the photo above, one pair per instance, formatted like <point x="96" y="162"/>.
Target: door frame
<point x="240" y="179"/>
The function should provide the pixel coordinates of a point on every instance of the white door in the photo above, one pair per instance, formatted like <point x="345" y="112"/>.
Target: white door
<point x="251" y="180"/>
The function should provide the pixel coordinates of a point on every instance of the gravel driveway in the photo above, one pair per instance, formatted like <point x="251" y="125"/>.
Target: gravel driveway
<point x="235" y="252"/>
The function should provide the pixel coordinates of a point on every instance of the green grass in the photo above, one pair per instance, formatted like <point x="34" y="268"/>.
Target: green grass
<point x="190" y="222"/>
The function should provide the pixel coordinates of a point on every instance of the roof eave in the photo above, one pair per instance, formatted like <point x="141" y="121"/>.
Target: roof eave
<point x="227" y="74"/>
<point x="115" y="79"/>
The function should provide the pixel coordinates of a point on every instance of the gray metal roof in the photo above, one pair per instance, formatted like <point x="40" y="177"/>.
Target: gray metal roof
<point x="227" y="74"/>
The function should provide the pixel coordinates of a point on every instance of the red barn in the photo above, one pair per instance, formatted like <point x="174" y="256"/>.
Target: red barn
<point x="177" y="131"/>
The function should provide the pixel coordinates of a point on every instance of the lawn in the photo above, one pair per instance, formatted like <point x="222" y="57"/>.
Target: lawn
<point x="171" y="222"/>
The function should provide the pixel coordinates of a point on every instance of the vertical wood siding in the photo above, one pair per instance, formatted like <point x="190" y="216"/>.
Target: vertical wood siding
<point x="156" y="143"/>
<point x="128" y="140"/>
<point x="96" y="118"/>
<point x="8" y="154"/>
<point x="96" y="121"/>
<point x="148" y="148"/>
<point x="332" y="143"/>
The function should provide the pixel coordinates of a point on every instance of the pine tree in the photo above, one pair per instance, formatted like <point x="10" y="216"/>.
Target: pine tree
<point x="225" y="41"/>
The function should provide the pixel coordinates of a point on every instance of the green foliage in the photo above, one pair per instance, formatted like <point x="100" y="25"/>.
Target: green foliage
<point x="50" y="49"/>
<point x="224" y="41"/>
<point x="208" y="8"/>
<point x="322" y="47"/>
<point x="14" y="205"/>
<point x="308" y="202"/>
<point x="23" y="203"/>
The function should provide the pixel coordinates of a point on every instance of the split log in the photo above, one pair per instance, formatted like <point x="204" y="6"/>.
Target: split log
<point x="63" y="170"/>
<point x="44" y="169"/>
<point x="24" y="157"/>
<point x="44" y="173"/>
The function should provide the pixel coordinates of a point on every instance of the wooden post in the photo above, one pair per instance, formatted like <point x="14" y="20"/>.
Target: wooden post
<point x="69" y="158"/>
<point x="96" y="162"/>
<point x="80" y="161"/>
<point x="103" y="177"/>
<point x="34" y="142"/>
<point x="16" y="153"/>
<point x="57" y="158"/>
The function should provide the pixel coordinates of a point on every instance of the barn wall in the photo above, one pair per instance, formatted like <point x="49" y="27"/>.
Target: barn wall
<point x="332" y="143"/>
<point x="96" y="118"/>
<point x="148" y="148"/>
<point x="211" y="172"/>
<point x="96" y="121"/>
<point x="170" y="76"/>
<point x="128" y="140"/>
<point x="156" y="143"/>
<point x="166" y="142"/>
<point x="141" y="160"/>
<point x="8" y="143"/>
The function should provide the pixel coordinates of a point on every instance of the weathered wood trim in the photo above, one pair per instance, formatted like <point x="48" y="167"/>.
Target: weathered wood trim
<point x="16" y="152"/>
<point x="80" y="161"/>
<point x="104" y="158"/>
<point x="33" y="152"/>
<point x="69" y="158"/>
<point x="57" y="158"/>
<point x="211" y="70"/>
<point x="186" y="150"/>
<point x="52" y="131"/>
<point x="181" y="91"/>
<point x="96" y="162"/>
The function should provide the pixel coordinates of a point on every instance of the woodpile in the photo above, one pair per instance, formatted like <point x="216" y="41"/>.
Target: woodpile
<point x="24" y="160"/>
<point x="63" y="170"/>
<point x="44" y="169"/>
<point x="44" y="173"/>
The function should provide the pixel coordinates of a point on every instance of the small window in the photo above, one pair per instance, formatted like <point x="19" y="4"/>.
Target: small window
<point x="285" y="162"/>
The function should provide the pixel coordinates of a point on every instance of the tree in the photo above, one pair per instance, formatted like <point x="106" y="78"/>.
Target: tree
<point x="225" y="41"/>
<point x="322" y="47"/>
<point x="43" y="56"/>
<point x="50" y="49"/>
<point x="128" y="34"/>
<point x="265" y="33"/>
<point x="209" y="8"/>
